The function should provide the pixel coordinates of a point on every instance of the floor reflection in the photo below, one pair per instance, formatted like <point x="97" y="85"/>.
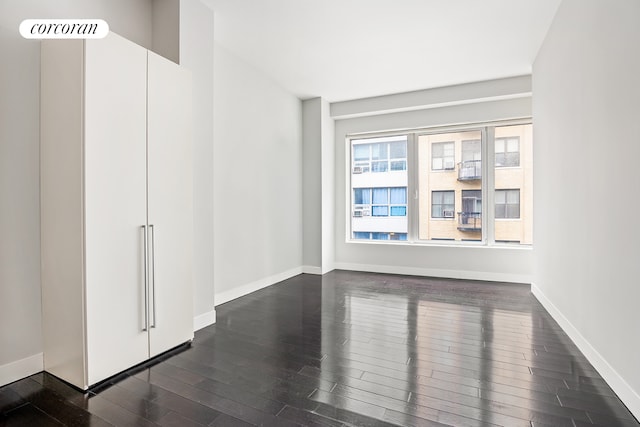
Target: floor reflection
<point x="350" y="348"/>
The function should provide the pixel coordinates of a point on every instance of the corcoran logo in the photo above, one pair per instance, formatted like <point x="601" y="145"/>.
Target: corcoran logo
<point x="64" y="28"/>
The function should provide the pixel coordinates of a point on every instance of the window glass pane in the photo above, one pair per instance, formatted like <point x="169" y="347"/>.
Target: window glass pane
<point x="399" y="165"/>
<point x="398" y="196"/>
<point x="471" y="150"/>
<point x="442" y="155"/>
<point x="398" y="150"/>
<point x="361" y="152"/>
<point x="398" y="211"/>
<point x="376" y="179"/>
<point x="508" y="149"/>
<point x="437" y="197"/>
<point x="398" y="236"/>
<point x="448" y="149"/>
<point x="448" y="197"/>
<point x="379" y="166"/>
<point x="380" y="236"/>
<point x="380" y="151"/>
<point x="361" y="196"/>
<point x="380" y="196"/>
<point x="442" y="204"/>
<point x="380" y="211"/>
<point x="513" y="178"/>
<point x="440" y="194"/>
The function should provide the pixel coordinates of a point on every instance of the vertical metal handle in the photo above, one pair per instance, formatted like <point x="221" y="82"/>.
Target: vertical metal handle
<point x="146" y="284"/>
<point x="153" y="271"/>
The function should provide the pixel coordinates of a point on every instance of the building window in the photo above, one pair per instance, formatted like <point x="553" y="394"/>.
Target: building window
<point x="379" y="180"/>
<point x="472" y="201"/>
<point x="471" y="150"/>
<point x="443" y="156"/>
<point x="507" y="204"/>
<point x="379" y="156"/>
<point x="399" y="190"/>
<point x="508" y="152"/>
<point x="380" y="201"/>
<point x="442" y="204"/>
<point x="366" y="235"/>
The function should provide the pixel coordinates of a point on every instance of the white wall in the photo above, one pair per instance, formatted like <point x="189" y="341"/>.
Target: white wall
<point x="586" y="149"/>
<point x="196" y="54"/>
<point x="512" y="101"/>
<point x="257" y="179"/>
<point x="312" y="184"/>
<point x="20" y="302"/>
<point x="318" y="187"/>
<point x="328" y="179"/>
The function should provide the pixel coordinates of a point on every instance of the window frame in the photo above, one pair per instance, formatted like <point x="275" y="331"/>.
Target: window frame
<point x="506" y="204"/>
<point x="506" y="152"/>
<point x="443" y="157"/>
<point x="488" y="182"/>
<point x="442" y="209"/>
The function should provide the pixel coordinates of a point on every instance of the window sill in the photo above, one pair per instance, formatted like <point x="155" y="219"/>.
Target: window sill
<point x="443" y="244"/>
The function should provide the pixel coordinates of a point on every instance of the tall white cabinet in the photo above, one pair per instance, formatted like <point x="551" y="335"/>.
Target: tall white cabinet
<point x="116" y="207"/>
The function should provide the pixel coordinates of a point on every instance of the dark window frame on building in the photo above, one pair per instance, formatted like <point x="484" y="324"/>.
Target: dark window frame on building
<point x="444" y="210"/>
<point x="443" y="153"/>
<point x="505" y="209"/>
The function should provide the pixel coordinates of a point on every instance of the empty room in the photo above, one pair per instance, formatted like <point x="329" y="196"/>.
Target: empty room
<point x="319" y="213"/>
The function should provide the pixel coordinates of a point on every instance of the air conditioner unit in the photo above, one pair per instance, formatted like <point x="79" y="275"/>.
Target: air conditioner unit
<point x="447" y="214"/>
<point x="357" y="169"/>
<point x="449" y="165"/>
<point x="357" y="214"/>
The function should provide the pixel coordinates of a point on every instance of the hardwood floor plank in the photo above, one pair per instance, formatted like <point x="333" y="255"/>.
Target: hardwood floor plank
<point x="350" y="349"/>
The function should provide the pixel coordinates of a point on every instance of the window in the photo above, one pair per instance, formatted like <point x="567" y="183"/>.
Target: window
<point x="508" y="152"/>
<point x="442" y="204"/>
<point x="507" y="204"/>
<point x="359" y="235"/>
<point x="381" y="201"/>
<point x="399" y="191"/>
<point x="471" y="151"/>
<point x="388" y="155"/>
<point x="472" y="201"/>
<point x="379" y="180"/>
<point x="434" y="204"/>
<point x="442" y="156"/>
<point x="471" y="166"/>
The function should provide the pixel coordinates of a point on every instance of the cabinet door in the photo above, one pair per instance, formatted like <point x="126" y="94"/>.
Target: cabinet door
<point x="170" y="212"/>
<point x="115" y="205"/>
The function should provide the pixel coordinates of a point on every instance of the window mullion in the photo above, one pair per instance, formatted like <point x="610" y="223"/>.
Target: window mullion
<point x="412" y="188"/>
<point x="488" y="186"/>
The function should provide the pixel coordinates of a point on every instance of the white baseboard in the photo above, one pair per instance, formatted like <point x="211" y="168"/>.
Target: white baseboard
<point x="243" y="290"/>
<point x="432" y="272"/>
<point x="625" y="392"/>
<point x="203" y="320"/>
<point x="309" y="269"/>
<point x="21" y="368"/>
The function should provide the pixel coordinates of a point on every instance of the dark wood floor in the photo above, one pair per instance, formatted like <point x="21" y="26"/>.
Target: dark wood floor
<point x="350" y="349"/>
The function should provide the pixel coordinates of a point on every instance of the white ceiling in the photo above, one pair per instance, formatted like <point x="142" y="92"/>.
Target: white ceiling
<point x="349" y="49"/>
